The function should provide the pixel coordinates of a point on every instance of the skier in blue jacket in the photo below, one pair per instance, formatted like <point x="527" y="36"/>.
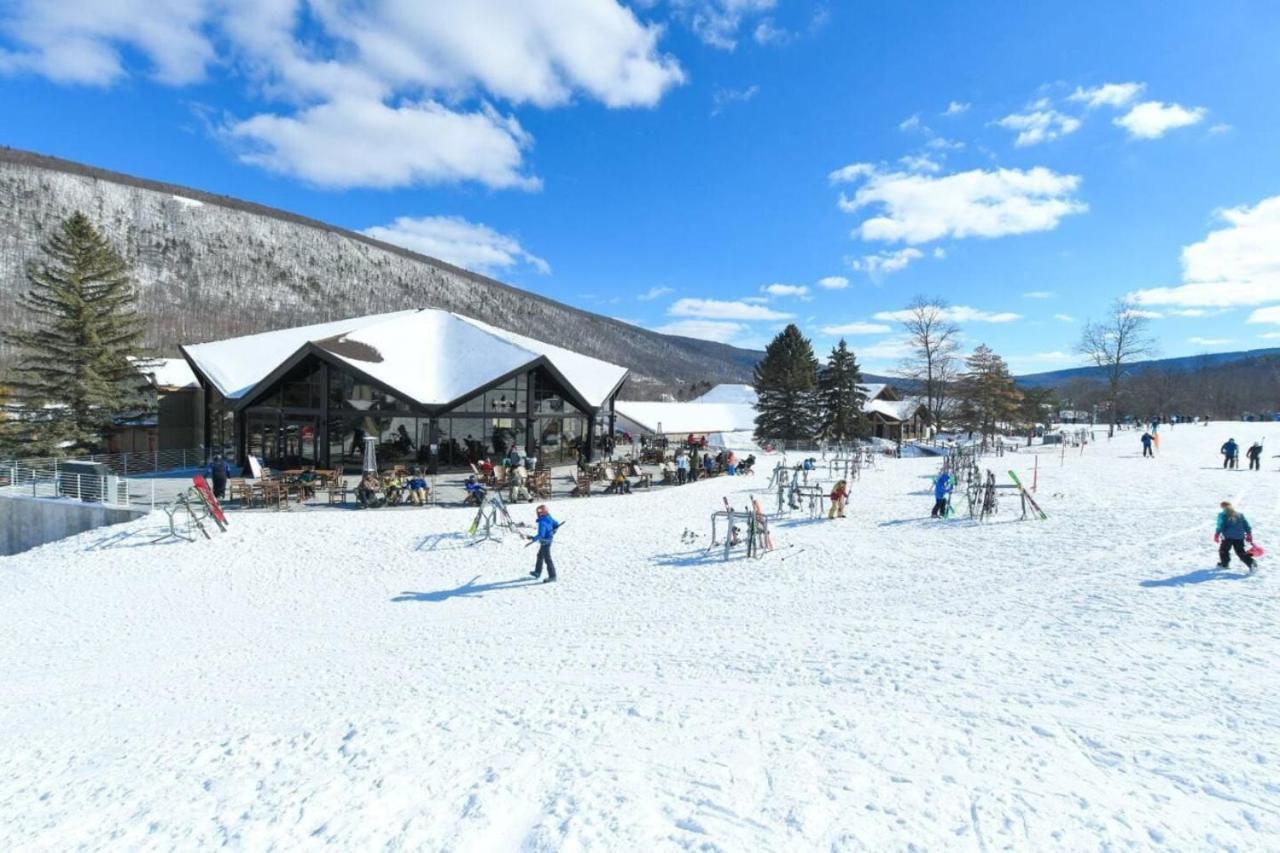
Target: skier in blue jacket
<point x="941" y="488"/>
<point x="1232" y="531"/>
<point x="1231" y="454"/>
<point x="547" y="527"/>
<point x="1147" y="439"/>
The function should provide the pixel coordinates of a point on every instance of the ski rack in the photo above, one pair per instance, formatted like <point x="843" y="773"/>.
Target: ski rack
<point x="490" y="514"/>
<point x="196" y="512"/>
<point x="756" y="541"/>
<point x="812" y="496"/>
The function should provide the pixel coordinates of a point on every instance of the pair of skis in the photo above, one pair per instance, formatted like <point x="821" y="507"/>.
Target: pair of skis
<point x="1026" y="496"/>
<point x="210" y="503"/>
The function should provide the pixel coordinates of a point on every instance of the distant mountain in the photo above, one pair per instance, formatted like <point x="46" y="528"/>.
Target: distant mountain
<point x="211" y="267"/>
<point x="1179" y="364"/>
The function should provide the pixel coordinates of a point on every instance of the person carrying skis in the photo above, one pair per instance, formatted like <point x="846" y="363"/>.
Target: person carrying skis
<point x="1146" y="444"/>
<point x="547" y="527"/>
<point x="1254" y="455"/>
<point x="219" y="471"/>
<point x="839" y="496"/>
<point x="941" y="490"/>
<point x="1230" y="454"/>
<point x="1231" y="532"/>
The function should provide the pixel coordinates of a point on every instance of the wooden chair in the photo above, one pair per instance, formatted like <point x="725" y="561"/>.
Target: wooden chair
<point x="539" y="483"/>
<point x="241" y="492"/>
<point x="336" y="486"/>
<point x="646" y="479"/>
<point x="275" y="494"/>
<point x="583" y="488"/>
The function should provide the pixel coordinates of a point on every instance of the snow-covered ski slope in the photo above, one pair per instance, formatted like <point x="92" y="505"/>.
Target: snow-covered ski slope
<point x="366" y="679"/>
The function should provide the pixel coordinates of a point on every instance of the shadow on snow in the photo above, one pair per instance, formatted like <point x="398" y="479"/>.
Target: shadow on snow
<point x="470" y="589"/>
<point x="1198" y="576"/>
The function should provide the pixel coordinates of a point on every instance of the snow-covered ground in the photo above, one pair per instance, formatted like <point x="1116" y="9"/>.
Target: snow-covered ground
<point x="881" y="682"/>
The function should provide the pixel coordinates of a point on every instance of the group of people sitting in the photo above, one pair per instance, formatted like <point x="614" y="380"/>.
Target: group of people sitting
<point x="688" y="468"/>
<point x="392" y="489"/>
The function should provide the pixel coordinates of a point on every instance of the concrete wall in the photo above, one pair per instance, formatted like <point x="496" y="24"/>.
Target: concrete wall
<point x="28" y="522"/>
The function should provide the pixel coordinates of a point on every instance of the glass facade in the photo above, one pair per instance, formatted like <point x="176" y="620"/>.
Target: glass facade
<point x="320" y="414"/>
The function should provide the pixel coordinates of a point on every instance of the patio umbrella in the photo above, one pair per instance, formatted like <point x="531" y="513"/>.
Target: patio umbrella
<point x="370" y="454"/>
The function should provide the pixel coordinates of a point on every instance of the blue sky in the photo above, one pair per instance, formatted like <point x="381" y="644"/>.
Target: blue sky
<point x="720" y="167"/>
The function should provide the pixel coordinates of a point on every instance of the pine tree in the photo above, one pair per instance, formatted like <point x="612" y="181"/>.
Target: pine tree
<point x="73" y="376"/>
<point x="987" y="393"/>
<point x="786" y="384"/>
<point x="842" y="398"/>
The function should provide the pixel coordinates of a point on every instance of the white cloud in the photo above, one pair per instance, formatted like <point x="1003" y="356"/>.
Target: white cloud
<point x="1220" y="127"/>
<point x="717" y="22"/>
<point x="654" y="293"/>
<point x="1153" y="119"/>
<point x="453" y="239"/>
<point x="717" y="309"/>
<point x="1066" y="318"/>
<point x="886" y="263"/>
<point x="81" y="41"/>
<point x="939" y="253"/>
<point x="953" y="313"/>
<point x="722" y="97"/>
<point x="956" y="108"/>
<point x="886" y="349"/>
<point x="1270" y="314"/>
<point x="767" y="32"/>
<point x="1145" y="314"/>
<point x="920" y="163"/>
<point x="1209" y="342"/>
<point x="857" y="329"/>
<point x="360" y="83"/>
<point x="365" y="143"/>
<point x="939" y="143"/>
<point x="1235" y="265"/>
<point x="1270" y="336"/>
<point x="797" y="290"/>
<point x="919" y="208"/>
<point x="1108" y="94"/>
<point x="1039" y="126"/>
<point x="1039" y="294"/>
<point x="705" y="330"/>
<point x="833" y="282"/>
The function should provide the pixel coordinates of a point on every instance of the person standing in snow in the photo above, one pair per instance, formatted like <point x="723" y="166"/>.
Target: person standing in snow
<point x="1230" y="454"/>
<point x="694" y="464"/>
<point x="941" y="489"/>
<point x="1254" y="455"/>
<point x="730" y="463"/>
<point x="219" y="471"/>
<point x="682" y="468"/>
<point x="839" y="495"/>
<point x="1231" y="532"/>
<point x="547" y="527"/>
<point x="1146" y="444"/>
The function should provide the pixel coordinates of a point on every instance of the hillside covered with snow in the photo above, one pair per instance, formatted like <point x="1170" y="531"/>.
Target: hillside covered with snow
<point x="210" y="267"/>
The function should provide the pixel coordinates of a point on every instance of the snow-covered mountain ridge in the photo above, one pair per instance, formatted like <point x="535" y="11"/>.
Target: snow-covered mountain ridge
<point x="210" y="267"/>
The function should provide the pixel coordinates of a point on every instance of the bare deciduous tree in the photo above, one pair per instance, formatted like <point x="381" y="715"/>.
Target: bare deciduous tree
<point x="1114" y="343"/>
<point x="934" y="341"/>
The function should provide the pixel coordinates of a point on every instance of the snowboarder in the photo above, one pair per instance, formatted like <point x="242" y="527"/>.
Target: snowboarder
<point x="1233" y="531"/>
<point x="219" y="471"/>
<point x="941" y="490"/>
<point x="1254" y="455"/>
<point x="839" y="494"/>
<point x="1146" y="445"/>
<point x="547" y="527"/>
<point x="1230" y="454"/>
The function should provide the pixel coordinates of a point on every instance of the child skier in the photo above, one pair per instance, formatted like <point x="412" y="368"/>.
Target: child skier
<point x="1233" y="531"/>
<point x="547" y="527"/>
<point x="1147" y="439"/>
<point x="941" y="489"/>
<point x="838" y="497"/>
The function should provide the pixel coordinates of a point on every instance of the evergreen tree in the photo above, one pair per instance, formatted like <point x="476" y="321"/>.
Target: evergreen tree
<point x="72" y="376"/>
<point x="786" y="383"/>
<point x="842" y="398"/>
<point x="987" y="393"/>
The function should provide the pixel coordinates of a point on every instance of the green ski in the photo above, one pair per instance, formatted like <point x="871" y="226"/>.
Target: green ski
<point x="1027" y="496"/>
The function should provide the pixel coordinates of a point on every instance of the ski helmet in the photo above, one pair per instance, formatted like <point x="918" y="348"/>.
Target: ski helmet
<point x="541" y="510"/>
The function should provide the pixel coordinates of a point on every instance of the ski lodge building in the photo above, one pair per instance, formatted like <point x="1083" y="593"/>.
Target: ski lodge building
<point x="429" y="385"/>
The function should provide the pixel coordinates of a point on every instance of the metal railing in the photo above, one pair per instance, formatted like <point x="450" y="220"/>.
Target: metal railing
<point x="116" y="479"/>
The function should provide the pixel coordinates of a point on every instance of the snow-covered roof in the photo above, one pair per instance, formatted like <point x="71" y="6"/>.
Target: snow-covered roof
<point x="683" y="418"/>
<point x="235" y="365"/>
<point x="873" y="390"/>
<point x="167" y="372"/>
<point x="729" y="394"/>
<point x="430" y="356"/>
<point x="899" y="410"/>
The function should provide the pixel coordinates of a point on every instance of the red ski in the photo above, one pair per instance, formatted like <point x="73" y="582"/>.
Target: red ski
<point x="210" y="502"/>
